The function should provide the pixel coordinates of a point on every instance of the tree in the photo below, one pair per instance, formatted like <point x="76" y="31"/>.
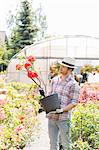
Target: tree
<point x="41" y="22"/>
<point x="3" y="58"/>
<point x="25" y="30"/>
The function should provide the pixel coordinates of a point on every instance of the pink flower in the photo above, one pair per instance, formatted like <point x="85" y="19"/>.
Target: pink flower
<point x="19" y="128"/>
<point x="2" y="114"/>
<point x="97" y="96"/>
<point x="3" y="102"/>
<point x="89" y="92"/>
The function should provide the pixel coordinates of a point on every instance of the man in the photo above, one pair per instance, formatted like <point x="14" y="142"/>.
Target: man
<point x="68" y="92"/>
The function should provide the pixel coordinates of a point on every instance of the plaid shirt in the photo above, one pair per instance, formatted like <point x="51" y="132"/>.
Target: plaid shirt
<point x="68" y="92"/>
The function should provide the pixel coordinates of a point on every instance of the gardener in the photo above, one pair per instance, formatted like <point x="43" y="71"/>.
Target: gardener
<point x="68" y="92"/>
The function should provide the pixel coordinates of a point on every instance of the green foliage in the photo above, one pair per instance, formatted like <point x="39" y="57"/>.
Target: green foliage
<point x="27" y="26"/>
<point x="85" y="125"/>
<point x="80" y="145"/>
<point x="24" y="32"/>
<point x="97" y="68"/>
<point x="87" y="68"/>
<point x="3" y="57"/>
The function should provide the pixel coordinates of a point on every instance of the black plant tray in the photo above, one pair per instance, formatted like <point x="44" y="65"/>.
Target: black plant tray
<point x="50" y="103"/>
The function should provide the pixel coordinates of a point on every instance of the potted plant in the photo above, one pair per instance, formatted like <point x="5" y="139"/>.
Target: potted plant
<point x="49" y="103"/>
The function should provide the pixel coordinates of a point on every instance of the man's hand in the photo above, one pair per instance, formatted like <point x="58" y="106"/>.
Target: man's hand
<point x="59" y="111"/>
<point x="42" y="92"/>
<point x="51" y="112"/>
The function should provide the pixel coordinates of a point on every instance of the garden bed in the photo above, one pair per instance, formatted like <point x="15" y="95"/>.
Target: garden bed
<point x="19" y="105"/>
<point x="18" y="115"/>
<point x="85" y="130"/>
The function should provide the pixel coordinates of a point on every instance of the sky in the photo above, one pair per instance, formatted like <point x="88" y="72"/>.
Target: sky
<point x="64" y="17"/>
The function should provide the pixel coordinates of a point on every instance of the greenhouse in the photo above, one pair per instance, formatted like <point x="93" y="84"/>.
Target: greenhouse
<point x="22" y="123"/>
<point x="85" y="49"/>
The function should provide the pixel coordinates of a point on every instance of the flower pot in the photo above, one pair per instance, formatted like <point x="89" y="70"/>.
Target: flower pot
<point x="50" y="103"/>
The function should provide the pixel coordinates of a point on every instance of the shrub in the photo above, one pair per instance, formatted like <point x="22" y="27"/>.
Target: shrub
<point x="85" y="125"/>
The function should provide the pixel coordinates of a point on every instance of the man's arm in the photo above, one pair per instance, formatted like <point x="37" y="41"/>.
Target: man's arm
<point x="69" y="107"/>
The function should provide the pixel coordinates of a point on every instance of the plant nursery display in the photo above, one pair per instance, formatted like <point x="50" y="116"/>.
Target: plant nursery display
<point x="18" y="110"/>
<point x="20" y="103"/>
<point x="85" y="132"/>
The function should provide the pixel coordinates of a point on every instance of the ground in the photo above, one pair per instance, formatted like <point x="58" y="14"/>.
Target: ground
<point x="42" y="140"/>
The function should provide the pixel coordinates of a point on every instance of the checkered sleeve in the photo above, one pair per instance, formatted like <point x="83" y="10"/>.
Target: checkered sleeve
<point x="74" y="93"/>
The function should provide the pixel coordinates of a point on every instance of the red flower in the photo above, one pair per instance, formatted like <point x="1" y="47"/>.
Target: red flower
<point x="18" y="67"/>
<point x="32" y="74"/>
<point x="21" y="118"/>
<point x="31" y="59"/>
<point x="27" y="65"/>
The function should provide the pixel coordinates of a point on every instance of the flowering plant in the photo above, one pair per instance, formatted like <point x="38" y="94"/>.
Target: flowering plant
<point x="28" y="65"/>
<point x="18" y="110"/>
<point x="89" y="92"/>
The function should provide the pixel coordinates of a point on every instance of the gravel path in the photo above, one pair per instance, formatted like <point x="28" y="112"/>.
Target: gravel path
<point x="42" y="140"/>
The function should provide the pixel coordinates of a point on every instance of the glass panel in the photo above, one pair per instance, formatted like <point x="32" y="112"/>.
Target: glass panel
<point x="38" y="50"/>
<point x="58" y="48"/>
<point x="76" y="47"/>
<point x="93" y="48"/>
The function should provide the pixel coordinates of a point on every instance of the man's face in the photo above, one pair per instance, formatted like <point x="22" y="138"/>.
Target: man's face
<point x="64" y="70"/>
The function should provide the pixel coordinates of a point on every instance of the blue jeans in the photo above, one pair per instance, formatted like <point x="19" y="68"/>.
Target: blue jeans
<point x="58" y="129"/>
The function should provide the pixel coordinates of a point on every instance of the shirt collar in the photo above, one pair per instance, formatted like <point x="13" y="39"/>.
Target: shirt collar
<point x="66" y="78"/>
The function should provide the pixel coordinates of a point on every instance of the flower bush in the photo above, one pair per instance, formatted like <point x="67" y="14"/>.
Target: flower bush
<point x="85" y="127"/>
<point x="85" y="119"/>
<point x="89" y="92"/>
<point x="18" y="111"/>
